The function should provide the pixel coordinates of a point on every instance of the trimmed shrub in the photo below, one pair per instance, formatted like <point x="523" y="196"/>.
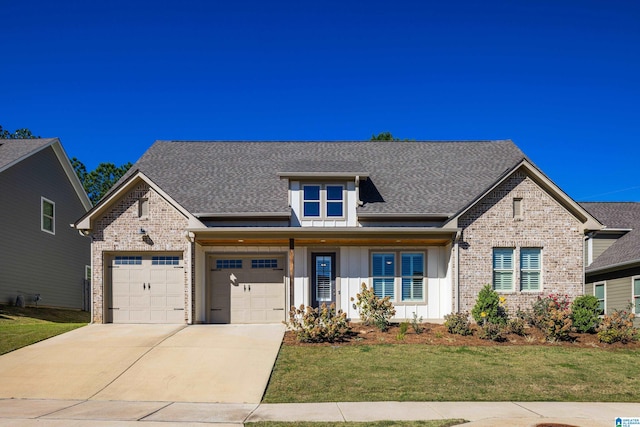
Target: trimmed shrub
<point x="458" y="323"/>
<point x="584" y="314"/>
<point x="374" y="311"/>
<point x="416" y="324"/>
<point x="318" y="324"/>
<point x="493" y="331"/>
<point x="489" y="307"/>
<point x="516" y="326"/>
<point x="618" y="327"/>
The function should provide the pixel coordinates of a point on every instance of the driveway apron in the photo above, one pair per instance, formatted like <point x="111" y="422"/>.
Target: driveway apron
<point x="173" y="363"/>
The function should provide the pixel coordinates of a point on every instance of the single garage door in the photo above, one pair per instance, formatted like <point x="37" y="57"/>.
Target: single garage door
<point x="147" y="289"/>
<point x="247" y="289"/>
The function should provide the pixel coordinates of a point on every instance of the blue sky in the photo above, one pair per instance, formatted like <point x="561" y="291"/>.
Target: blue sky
<point x="559" y="78"/>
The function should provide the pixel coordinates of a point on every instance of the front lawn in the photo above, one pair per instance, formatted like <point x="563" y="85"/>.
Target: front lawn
<point x="422" y="372"/>
<point x="20" y="327"/>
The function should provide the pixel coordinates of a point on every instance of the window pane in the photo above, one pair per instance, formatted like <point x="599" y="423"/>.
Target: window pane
<point x="311" y="192"/>
<point x="599" y="291"/>
<point x="334" y="192"/>
<point x="530" y="259"/>
<point x="47" y="223"/>
<point x="530" y="281"/>
<point x="502" y="281"/>
<point x="47" y="208"/>
<point x="412" y="264"/>
<point x="311" y="209"/>
<point x="636" y="303"/>
<point x="334" y="209"/>
<point x="636" y="287"/>
<point x="412" y="288"/>
<point x="383" y="287"/>
<point x="503" y="259"/>
<point x="383" y="265"/>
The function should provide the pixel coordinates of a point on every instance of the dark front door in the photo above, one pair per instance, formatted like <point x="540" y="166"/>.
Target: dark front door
<point x="323" y="280"/>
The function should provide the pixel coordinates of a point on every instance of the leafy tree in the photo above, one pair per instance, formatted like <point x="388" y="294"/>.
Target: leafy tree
<point x="97" y="182"/>
<point x="23" y="133"/>
<point x="384" y="136"/>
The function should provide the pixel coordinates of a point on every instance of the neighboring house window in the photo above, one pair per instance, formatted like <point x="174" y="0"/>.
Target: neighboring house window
<point x="323" y="201"/>
<point x="636" y="296"/>
<point x="412" y="276"/>
<point x="530" y="269"/>
<point x="383" y="274"/>
<point x="143" y="207"/>
<point x="409" y="274"/>
<point x="503" y="269"/>
<point x="599" y="292"/>
<point x="48" y="216"/>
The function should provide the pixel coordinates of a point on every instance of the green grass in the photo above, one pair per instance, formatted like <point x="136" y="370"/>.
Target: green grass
<point x="433" y="423"/>
<point x="447" y="373"/>
<point x="20" y="327"/>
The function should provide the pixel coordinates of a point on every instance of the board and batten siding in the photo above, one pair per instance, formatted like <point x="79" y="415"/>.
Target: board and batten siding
<point x="353" y="269"/>
<point x="33" y="261"/>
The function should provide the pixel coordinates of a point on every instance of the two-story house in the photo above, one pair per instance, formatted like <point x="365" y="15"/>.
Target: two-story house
<point x="238" y="232"/>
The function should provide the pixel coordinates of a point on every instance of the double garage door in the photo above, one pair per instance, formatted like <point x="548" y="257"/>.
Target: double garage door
<point x="147" y="289"/>
<point x="246" y="289"/>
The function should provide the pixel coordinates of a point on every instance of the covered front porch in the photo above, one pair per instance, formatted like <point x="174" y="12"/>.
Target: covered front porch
<point x="255" y="274"/>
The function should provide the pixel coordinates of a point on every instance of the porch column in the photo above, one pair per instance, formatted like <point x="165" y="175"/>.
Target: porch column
<point x="291" y="273"/>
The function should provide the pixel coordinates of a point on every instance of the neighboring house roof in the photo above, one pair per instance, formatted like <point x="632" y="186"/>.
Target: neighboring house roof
<point x="404" y="177"/>
<point x="13" y="151"/>
<point x="617" y="215"/>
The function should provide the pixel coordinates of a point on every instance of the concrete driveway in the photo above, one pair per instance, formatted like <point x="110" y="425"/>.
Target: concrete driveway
<point x="173" y="363"/>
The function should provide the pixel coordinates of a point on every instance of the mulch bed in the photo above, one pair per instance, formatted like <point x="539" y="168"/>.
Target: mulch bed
<point x="436" y="334"/>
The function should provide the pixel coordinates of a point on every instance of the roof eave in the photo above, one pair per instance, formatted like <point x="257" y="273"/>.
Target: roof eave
<point x="241" y="215"/>
<point x="613" y="267"/>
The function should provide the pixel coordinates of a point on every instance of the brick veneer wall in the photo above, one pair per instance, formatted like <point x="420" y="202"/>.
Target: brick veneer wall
<point x="544" y="224"/>
<point x="118" y="231"/>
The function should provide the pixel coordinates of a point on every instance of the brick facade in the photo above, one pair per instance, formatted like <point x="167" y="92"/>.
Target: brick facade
<point x="118" y="231"/>
<point x="544" y="223"/>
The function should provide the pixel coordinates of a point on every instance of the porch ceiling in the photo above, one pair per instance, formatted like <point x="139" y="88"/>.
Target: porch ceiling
<point x="340" y="236"/>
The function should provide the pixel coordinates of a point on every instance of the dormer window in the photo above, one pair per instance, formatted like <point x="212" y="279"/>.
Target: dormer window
<point x="323" y="200"/>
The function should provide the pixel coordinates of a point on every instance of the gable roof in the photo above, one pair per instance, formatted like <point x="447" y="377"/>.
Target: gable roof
<point x="13" y="151"/>
<point x="617" y="215"/>
<point x="408" y="177"/>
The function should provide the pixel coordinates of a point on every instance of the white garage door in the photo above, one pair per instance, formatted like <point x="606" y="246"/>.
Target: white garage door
<point x="147" y="289"/>
<point x="247" y="289"/>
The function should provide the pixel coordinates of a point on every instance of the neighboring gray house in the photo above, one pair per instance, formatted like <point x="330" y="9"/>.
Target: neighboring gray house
<point x="612" y="256"/>
<point x="42" y="257"/>
<point x="237" y="232"/>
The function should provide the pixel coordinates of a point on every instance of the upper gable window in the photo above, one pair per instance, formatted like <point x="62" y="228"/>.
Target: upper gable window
<point x="48" y="216"/>
<point x="320" y="201"/>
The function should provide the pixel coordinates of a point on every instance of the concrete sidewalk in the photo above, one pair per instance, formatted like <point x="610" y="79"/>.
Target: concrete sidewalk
<point x="32" y="412"/>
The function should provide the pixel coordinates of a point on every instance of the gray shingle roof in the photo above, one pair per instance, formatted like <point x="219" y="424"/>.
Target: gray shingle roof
<point x="617" y="215"/>
<point x="12" y="150"/>
<point x="411" y="177"/>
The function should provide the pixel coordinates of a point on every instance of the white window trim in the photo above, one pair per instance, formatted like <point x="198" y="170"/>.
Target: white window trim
<point x="323" y="201"/>
<point x="397" y="275"/>
<point x="604" y="284"/>
<point x="541" y="287"/>
<point x="53" y="218"/>
<point x="633" y="296"/>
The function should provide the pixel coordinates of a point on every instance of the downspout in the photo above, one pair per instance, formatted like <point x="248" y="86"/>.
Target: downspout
<point x="358" y="201"/>
<point x="457" y="275"/>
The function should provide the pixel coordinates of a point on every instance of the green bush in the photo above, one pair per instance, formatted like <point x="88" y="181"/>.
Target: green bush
<point x="618" y="327"/>
<point x="458" y="323"/>
<point x="489" y="307"/>
<point x="516" y="326"/>
<point x="318" y="324"/>
<point x="493" y="331"/>
<point x="584" y="314"/>
<point x="404" y="327"/>
<point x="374" y="311"/>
